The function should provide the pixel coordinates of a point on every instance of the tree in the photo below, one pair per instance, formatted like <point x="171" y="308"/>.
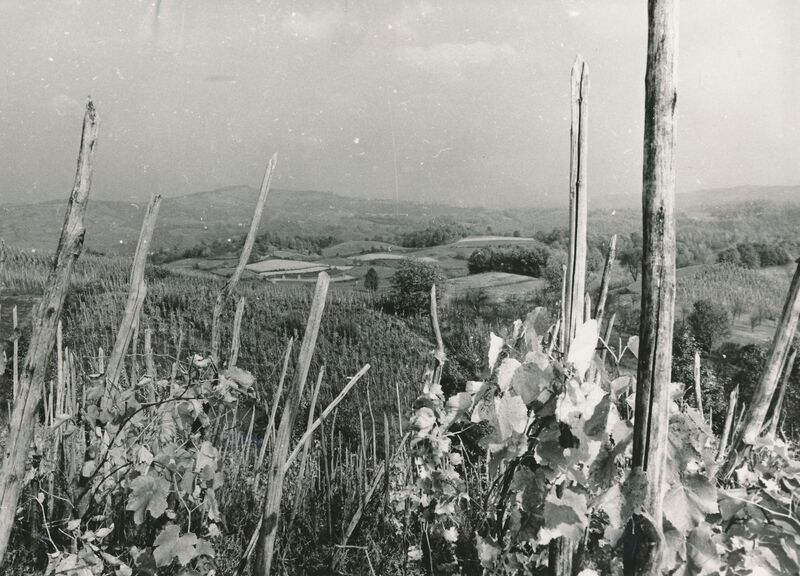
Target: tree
<point x="684" y="347"/>
<point x="749" y="256"/>
<point x="709" y="322"/>
<point x="371" y="280"/>
<point x="631" y="254"/>
<point x="729" y="256"/>
<point x="411" y="286"/>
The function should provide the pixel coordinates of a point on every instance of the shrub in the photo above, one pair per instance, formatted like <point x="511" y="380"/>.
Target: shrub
<point x="411" y="286"/>
<point x="709" y="323"/>
<point x="371" y="280"/>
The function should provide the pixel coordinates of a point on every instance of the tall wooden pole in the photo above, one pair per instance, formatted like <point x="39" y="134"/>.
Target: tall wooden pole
<point x="578" y="211"/>
<point x="43" y="336"/>
<point x="651" y="428"/>
<point x="575" y="303"/>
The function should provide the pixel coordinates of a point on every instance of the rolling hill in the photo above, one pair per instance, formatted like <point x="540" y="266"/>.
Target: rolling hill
<point x="185" y="221"/>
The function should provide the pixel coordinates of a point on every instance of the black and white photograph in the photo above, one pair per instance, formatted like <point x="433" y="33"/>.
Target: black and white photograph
<point x="399" y="287"/>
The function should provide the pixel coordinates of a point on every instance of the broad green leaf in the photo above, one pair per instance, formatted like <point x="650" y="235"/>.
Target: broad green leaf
<point x="242" y="377"/>
<point x="456" y="407"/>
<point x="168" y="428"/>
<point x="701" y="552"/>
<point x="512" y="415"/>
<point x="488" y="551"/>
<point x="633" y="345"/>
<point x="536" y="325"/>
<point x="505" y="373"/>
<point x="583" y="346"/>
<point x="566" y="516"/>
<point x="148" y="494"/>
<point x="530" y="381"/>
<point x="611" y="503"/>
<point x="206" y="457"/>
<point x="169" y="544"/>
<point x="687" y="504"/>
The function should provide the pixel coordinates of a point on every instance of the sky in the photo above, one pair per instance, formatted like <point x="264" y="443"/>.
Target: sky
<point x="461" y="102"/>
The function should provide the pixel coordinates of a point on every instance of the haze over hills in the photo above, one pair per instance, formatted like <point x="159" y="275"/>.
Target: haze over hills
<point x="184" y="221"/>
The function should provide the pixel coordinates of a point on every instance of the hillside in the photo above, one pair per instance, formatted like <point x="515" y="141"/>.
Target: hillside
<point x="188" y="220"/>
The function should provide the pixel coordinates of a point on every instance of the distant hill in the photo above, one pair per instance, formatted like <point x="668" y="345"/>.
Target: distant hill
<point x="185" y="221"/>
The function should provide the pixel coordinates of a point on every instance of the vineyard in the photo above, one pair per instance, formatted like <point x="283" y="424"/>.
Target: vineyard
<point x="160" y="423"/>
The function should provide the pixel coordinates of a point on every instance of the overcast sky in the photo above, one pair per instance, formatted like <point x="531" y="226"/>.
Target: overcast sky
<point x="468" y="99"/>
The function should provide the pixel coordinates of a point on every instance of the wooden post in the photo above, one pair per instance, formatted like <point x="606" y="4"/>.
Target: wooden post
<point x="762" y="397"/>
<point x="237" y="328"/>
<point x="265" y="547"/>
<point x="650" y="435"/>
<point x="233" y="281"/>
<point x="726" y="431"/>
<point x="136" y="293"/>
<point x="698" y="392"/>
<point x="607" y="337"/>
<point x="578" y="208"/>
<point x="776" y="412"/>
<point x="576" y="306"/>
<point x="754" y="419"/>
<point x="45" y="321"/>
<point x="600" y="308"/>
<point x="14" y="319"/>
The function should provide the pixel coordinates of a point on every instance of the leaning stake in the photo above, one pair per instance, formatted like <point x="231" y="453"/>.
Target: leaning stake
<point x="136" y="292"/>
<point x="45" y="322"/>
<point x="762" y="398"/>
<point x="233" y="281"/>
<point x="272" y="503"/>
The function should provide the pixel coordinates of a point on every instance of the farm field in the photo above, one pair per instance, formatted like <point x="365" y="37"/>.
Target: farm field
<point x="498" y="286"/>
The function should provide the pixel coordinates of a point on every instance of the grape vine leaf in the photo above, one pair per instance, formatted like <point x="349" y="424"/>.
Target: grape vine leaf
<point x="488" y="551"/>
<point x="565" y="516"/>
<point x="206" y="457"/>
<point x="512" y="415"/>
<point x="168" y="428"/>
<point x="169" y="544"/>
<point x="702" y="552"/>
<point x="583" y="346"/>
<point x="495" y="347"/>
<point x="505" y="373"/>
<point x="633" y="345"/>
<point x="687" y="503"/>
<point x="148" y="494"/>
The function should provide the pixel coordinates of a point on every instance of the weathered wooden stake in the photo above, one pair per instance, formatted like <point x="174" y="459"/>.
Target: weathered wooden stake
<point x="726" y="430"/>
<point x="650" y="435"/>
<point x="577" y="307"/>
<point x="237" y="328"/>
<point x="272" y="503"/>
<point x="776" y="412"/>
<point x="233" y="281"/>
<point x="45" y="321"/>
<point x="136" y="293"/>
<point x="578" y="207"/>
<point x="762" y="397"/>
<point x="698" y="392"/>
<point x="600" y="308"/>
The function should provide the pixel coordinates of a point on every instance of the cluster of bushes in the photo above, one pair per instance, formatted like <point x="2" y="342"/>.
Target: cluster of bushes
<point x="411" y="288"/>
<point x="516" y="260"/>
<point x="433" y="235"/>
<point x="755" y="255"/>
<point x="310" y="244"/>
